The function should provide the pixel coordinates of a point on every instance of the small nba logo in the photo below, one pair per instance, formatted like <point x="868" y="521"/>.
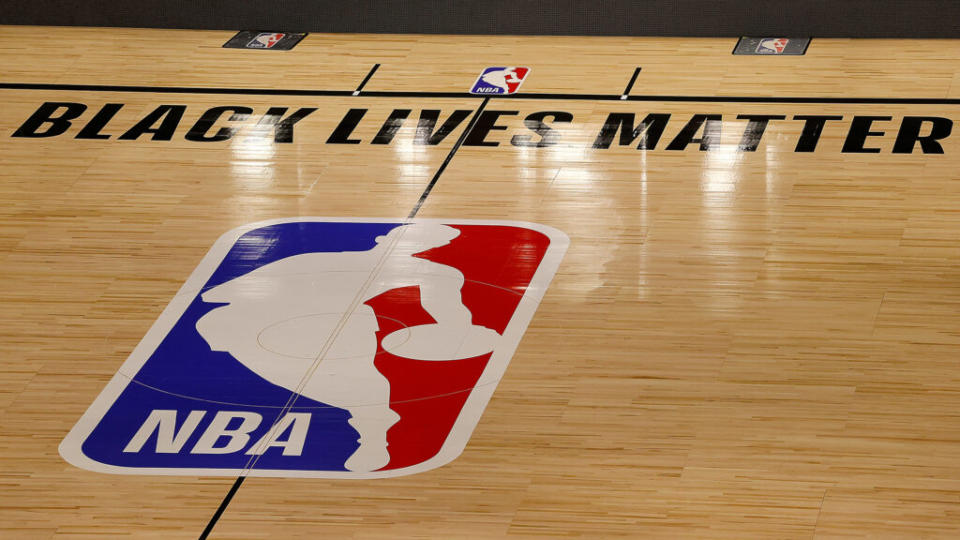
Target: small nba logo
<point x="324" y="348"/>
<point x="772" y="45"/>
<point x="500" y="80"/>
<point x="265" y="40"/>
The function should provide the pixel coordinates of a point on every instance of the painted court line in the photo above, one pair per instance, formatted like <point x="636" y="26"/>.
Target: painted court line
<point x="365" y="79"/>
<point x="466" y="95"/>
<point x="633" y="79"/>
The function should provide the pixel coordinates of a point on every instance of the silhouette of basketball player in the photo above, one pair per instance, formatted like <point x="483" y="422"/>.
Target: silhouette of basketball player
<point x="500" y="78"/>
<point x="306" y="313"/>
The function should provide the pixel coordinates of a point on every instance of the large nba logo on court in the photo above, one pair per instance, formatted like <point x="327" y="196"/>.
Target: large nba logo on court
<point x="321" y="347"/>
<point x="500" y="80"/>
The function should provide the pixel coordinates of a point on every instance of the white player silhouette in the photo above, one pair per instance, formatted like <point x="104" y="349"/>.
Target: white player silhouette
<point x="306" y="313"/>
<point x="500" y="78"/>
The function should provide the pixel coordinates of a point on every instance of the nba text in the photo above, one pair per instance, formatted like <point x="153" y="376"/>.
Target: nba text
<point x="222" y="434"/>
<point x="642" y="130"/>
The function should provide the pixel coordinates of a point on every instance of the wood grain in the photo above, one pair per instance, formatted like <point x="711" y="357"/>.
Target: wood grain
<point x="738" y="344"/>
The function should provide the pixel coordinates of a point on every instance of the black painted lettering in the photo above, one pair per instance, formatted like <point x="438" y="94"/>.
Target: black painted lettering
<point x="99" y="121"/>
<point x="687" y="135"/>
<point x="391" y="126"/>
<point x="283" y="127"/>
<point x="198" y="132"/>
<point x="909" y="134"/>
<point x="859" y="131"/>
<point x="47" y="114"/>
<point x="756" y="126"/>
<point x="536" y="123"/>
<point x="812" y="129"/>
<point x="341" y="135"/>
<point x="168" y="116"/>
<point x="428" y="121"/>
<point x="485" y="124"/>
<point x="650" y="130"/>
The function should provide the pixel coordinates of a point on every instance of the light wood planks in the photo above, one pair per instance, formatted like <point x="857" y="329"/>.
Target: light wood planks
<point x="737" y="345"/>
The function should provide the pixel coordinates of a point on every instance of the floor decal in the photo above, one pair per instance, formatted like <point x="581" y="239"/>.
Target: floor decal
<point x="324" y="347"/>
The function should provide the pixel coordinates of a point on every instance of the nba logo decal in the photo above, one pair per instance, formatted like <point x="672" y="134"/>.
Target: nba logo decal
<point x="255" y="39"/>
<point x="772" y="45"/>
<point x="500" y="80"/>
<point x="324" y="347"/>
<point x="265" y="40"/>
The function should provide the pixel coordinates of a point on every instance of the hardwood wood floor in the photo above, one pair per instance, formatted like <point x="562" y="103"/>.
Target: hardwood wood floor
<point x="750" y="336"/>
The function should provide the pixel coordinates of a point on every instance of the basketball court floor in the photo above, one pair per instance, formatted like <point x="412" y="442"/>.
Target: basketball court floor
<point x="751" y="334"/>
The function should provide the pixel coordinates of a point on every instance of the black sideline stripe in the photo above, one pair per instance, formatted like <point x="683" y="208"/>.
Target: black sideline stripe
<point x="172" y="89"/>
<point x="465" y="95"/>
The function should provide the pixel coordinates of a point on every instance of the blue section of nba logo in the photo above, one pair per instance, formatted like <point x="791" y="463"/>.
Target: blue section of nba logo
<point x="190" y="384"/>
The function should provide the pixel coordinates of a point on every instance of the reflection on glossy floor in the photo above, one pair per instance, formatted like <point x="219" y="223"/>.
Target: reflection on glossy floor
<point x="750" y="336"/>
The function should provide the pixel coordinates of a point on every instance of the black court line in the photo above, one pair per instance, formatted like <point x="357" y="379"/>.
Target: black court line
<point x="674" y="98"/>
<point x="633" y="79"/>
<point x="443" y="166"/>
<point x="221" y="508"/>
<point x="365" y="79"/>
<point x="172" y="89"/>
<point x="466" y="95"/>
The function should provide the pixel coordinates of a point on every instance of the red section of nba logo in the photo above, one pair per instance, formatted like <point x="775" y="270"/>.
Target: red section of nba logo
<point x="514" y="84"/>
<point x="498" y="263"/>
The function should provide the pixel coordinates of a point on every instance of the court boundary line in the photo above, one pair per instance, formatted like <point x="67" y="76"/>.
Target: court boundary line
<point x="467" y="95"/>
